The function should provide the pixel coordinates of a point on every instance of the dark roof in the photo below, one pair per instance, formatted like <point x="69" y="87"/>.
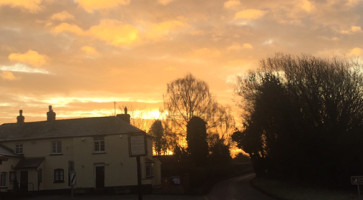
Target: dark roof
<point x="29" y="163"/>
<point x="97" y="126"/>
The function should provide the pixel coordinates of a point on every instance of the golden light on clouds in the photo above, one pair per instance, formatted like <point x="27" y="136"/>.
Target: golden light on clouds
<point x="70" y="28"/>
<point x="30" y="5"/>
<point x="247" y="46"/>
<point x="355" y="52"/>
<point x="163" y="29"/>
<point x="307" y="6"/>
<point x="165" y="2"/>
<point x="115" y="33"/>
<point x="232" y="3"/>
<point x="82" y="55"/>
<point x="89" y="50"/>
<point x="8" y="76"/>
<point x="201" y="54"/>
<point x="62" y="16"/>
<point x="353" y="2"/>
<point x="31" y="57"/>
<point x="92" y="5"/>
<point x="351" y="30"/>
<point x="356" y="29"/>
<point x="250" y="14"/>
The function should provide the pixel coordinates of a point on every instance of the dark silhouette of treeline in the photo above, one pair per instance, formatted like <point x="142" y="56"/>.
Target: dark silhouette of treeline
<point x="303" y="119"/>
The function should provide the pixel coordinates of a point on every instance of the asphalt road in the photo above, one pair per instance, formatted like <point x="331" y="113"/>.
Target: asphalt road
<point x="237" y="188"/>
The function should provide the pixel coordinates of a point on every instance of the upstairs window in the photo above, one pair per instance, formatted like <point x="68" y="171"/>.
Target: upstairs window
<point x="19" y="148"/>
<point x="58" y="175"/>
<point x="56" y="147"/>
<point x="99" y="145"/>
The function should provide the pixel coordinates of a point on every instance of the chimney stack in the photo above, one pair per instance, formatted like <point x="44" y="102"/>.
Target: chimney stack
<point x="50" y="114"/>
<point x="125" y="116"/>
<point x="20" y="118"/>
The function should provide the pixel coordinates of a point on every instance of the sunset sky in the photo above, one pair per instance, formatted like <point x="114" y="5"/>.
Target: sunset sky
<point x="81" y="56"/>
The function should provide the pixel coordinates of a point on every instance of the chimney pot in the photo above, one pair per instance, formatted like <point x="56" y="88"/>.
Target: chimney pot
<point x="50" y="114"/>
<point x="20" y="118"/>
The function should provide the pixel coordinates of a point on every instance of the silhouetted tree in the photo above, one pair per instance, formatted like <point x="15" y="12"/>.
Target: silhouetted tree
<point x="303" y="117"/>
<point x="157" y="131"/>
<point x="197" y="141"/>
<point x="187" y="97"/>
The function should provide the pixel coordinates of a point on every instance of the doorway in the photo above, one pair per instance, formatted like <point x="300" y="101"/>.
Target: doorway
<point x="100" y="176"/>
<point x="24" y="181"/>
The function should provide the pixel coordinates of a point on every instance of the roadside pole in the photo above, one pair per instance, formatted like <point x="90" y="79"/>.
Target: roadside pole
<point x="357" y="180"/>
<point x="358" y="192"/>
<point x="137" y="148"/>
<point x="73" y="182"/>
<point x="139" y="186"/>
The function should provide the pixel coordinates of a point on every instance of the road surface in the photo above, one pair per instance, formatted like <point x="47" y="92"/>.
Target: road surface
<point x="237" y="188"/>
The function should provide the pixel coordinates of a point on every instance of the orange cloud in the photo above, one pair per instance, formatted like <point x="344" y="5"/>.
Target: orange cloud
<point x="30" y="57"/>
<point x="307" y="6"/>
<point x="165" y="2"/>
<point x="8" y="76"/>
<point x="30" y="5"/>
<point x="249" y="14"/>
<point x="234" y="47"/>
<point x="91" y="5"/>
<point x="206" y="53"/>
<point x="352" y="2"/>
<point x="70" y="28"/>
<point x="352" y="30"/>
<point x="89" y="50"/>
<point x="232" y="3"/>
<point x="247" y="46"/>
<point x="115" y="33"/>
<point x="355" y="52"/>
<point x="163" y="29"/>
<point x="356" y="29"/>
<point x="62" y="16"/>
<point x="112" y="32"/>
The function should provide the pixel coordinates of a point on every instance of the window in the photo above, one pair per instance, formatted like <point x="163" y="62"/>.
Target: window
<point x="56" y="147"/>
<point x="149" y="169"/>
<point x="19" y="148"/>
<point x="99" y="145"/>
<point x="3" y="179"/>
<point x="12" y="177"/>
<point x="58" y="176"/>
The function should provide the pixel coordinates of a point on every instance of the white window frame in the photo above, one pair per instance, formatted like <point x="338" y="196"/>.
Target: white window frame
<point x="56" y="147"/>
<point x="19" y="148"/>
<point x="58" y="176"/>
<point x="99" y="145"/>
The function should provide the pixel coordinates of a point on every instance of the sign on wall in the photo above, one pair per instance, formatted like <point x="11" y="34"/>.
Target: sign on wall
<point x="137" y="145"/>
<point x="356" y="180"/>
